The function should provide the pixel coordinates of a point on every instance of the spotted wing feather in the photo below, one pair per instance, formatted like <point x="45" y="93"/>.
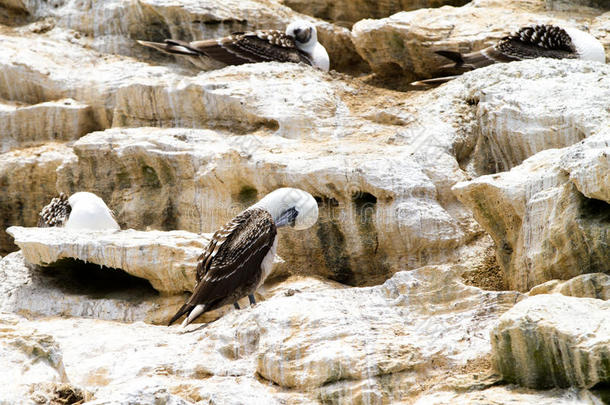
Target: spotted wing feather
<point x="541" y="40"/>
<point x="55" y="213"/>
<point x="230" y="267"/>
<point x="251" y="47"/>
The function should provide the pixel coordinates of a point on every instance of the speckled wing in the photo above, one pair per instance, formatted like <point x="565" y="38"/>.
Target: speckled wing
<point x="55" y="213"/>
<point x="547" y="41"/>
<point x="251" y="47"/>
<point x="231" y="264"/>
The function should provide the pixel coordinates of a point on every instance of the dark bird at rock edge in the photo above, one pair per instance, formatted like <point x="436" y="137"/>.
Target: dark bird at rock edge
<point x="82" y="210"/>
<point x="240" y="255"/>
<point x="540" y="41"/>
<point x="299" y="43"/>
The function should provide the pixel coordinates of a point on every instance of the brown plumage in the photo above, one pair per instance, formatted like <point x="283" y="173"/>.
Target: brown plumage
<point x="55" y="213"/>
<point x="239" y="48"/>
<point x="231" y="267"/>
<point x="547" y="41"/>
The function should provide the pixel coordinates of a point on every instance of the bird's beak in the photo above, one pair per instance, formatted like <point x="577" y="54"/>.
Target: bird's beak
<point x="287" y="217"/>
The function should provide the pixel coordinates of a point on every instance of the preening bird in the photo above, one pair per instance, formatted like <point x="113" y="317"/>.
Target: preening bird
<point x="299" y="43"/>
<point x="81" y="210"/>
<point x="240" y="255"/>
<point x="540" y="41"/>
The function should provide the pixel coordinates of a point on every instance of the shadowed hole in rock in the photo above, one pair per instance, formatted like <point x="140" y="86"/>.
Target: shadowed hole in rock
<point x="247" y="196"/>
<point x="76" y="277"/>
<point x="592" y="208"/>
<point x="602" y="390"/>
<point x="332" y="240"/>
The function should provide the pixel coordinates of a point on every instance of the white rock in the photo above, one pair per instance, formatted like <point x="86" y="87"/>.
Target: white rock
<point x="554" y="340"/>
<point x="543" y="226"/>
<point x="404" y="43"/>
<point x="62" y="120"/>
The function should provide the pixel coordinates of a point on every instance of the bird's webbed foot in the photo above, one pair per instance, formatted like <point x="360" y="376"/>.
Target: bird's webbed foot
<point x="252" y="300"/>
<point x="236" y="305"/>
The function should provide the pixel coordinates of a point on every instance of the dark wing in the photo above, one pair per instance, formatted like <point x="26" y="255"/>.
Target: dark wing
<point x="547" y="41"/>
<point x="55" y="213"/>
<point x="232" y="260"/>
<point x="250" y="47"/>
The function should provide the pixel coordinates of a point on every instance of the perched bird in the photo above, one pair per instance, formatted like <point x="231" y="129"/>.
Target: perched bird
<point x="81" y="211"/>
<point x="540" y="41"/>
<point x="240" y="255"/>
<point x="298" y="44"/>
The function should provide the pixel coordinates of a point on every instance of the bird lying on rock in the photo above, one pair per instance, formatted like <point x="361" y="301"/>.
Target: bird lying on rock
<point x="540" y="41"/>
<point x="298" y="44"/>
<point x="240" y="255"/>
<point x="82" y="210"/>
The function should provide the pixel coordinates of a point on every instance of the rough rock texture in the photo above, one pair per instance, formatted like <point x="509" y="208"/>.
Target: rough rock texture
<point x="548" y="223"/>
<point x="513" y="395"/>
<point x="168" y="260"/>
<point x="346" y="13"/>
<point x="554" y="340"/>
<point x="71" y="288"/>
<point x="29" y="125"/>
<point x="39" y="355"/>
<point x="27" y="179"/>
<point x="112" y="26"/>
<point x="374" y="219"/>
<point x="315" y="341"/>
<point x="595" y="285"/>
<point x="404" y="43"/>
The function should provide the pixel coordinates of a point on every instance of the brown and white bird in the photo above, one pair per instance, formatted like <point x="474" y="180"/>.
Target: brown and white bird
<point x="240" y="255"/>
<point x="299" y="43"/>
<point x="81" y="210"/>
<point x="540" y="41"/>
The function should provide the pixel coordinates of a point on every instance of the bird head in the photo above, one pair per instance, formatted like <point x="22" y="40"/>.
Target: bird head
<point x="303" y="32"/>
<point x="290" y="207"/>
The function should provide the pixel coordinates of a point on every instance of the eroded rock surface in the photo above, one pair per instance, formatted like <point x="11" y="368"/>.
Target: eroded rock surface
<point x="404" y="43"/>
<point x="27" y="178"/>
<point x="544" y="226"/>
<point x="595" y="285"/>
<point x="316" y="341"/>
<point x="554" y="340"/>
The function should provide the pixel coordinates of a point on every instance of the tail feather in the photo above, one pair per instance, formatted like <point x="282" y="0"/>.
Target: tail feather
<point x="433" y="81"/>
<point x="171" y="46"/>
<point x="185" y="308"/>
<point x="452" y="55"/>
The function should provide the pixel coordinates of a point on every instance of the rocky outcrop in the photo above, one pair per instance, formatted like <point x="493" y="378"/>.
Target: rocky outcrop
<point x="113" y="26"/>
<point x="383" y="216"/>
<point x="346" y="13"/>
<point x="316" y="342"/>
<point x="27" y="177"/>
<point x="404" y="43"/>
<point x="595" y="285"/>
<point x="168" y="260"/>
<point x="31" y="125"/>
<point x="545" y="227"/>
<point x="554" y="340"/>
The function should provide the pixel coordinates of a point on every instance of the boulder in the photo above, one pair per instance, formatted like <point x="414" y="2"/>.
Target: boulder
<point x="31" y="125"/>
<point x="405" y="43"/>
<point x="311" y="341"/>
<point x="554" y="341"/>
<point x="543" y="223"/>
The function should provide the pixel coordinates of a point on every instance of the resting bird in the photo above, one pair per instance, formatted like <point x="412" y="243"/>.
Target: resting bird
<point x="298" y="44"/>
<point x="540" y="41"/>
<point x="240" y="255"/>
<point x="81" y="211"/>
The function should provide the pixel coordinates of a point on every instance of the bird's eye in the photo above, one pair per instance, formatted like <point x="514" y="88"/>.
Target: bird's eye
<point x="296" y="31"/>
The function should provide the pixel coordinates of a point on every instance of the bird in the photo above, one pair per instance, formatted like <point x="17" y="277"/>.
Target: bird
<point x="239" y="257"/>
<point x="547" y="41"/>
<point x="82" y="210"/>
<point x="299" y="43"/>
